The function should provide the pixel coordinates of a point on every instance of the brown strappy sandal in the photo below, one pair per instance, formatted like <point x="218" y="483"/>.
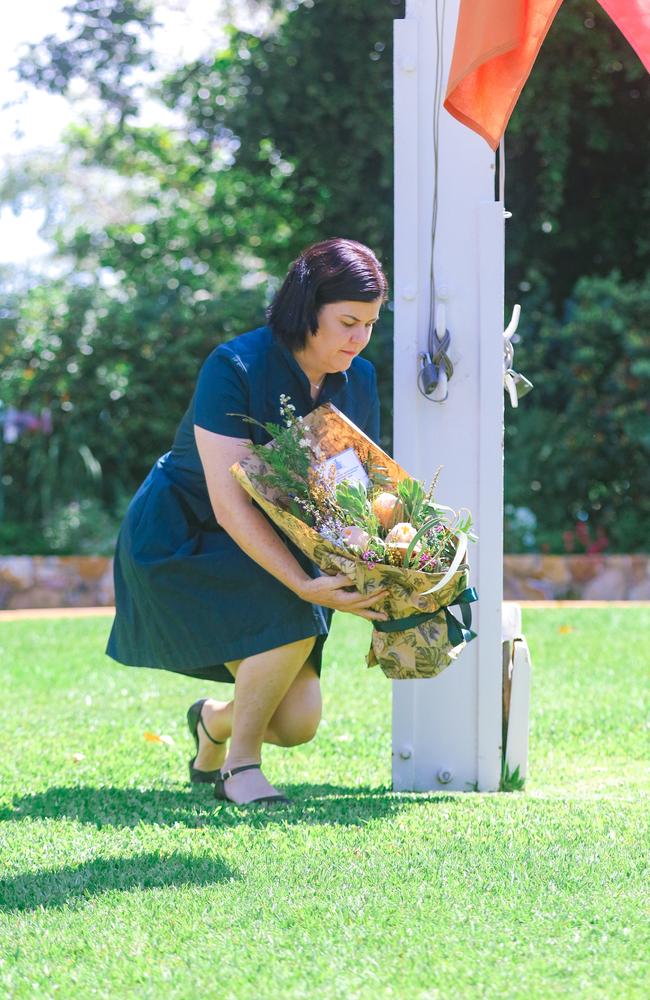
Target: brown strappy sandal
<point x="220" y="791"/>
<point x="194" y="719"/>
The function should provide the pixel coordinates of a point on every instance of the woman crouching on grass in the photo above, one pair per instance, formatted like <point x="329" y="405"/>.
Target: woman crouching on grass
<point x="205" y="585"/>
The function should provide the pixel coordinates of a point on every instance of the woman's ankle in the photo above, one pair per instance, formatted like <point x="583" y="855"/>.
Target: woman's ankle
<point x="234" y="761"/>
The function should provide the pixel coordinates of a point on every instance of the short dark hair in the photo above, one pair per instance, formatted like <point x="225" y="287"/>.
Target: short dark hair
<point x="334" y="270"/>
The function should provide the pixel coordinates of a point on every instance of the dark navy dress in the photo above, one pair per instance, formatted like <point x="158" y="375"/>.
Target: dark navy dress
<point x="187" y="598"/>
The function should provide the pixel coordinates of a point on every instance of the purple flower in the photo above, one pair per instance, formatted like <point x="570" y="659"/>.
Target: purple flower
<point x="16" y="422"/>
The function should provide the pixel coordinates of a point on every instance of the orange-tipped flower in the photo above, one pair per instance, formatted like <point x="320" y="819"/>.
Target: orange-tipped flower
<point x="388" y="509"/>
<point x="353" y="535"/>
<point x="402" y="534"/>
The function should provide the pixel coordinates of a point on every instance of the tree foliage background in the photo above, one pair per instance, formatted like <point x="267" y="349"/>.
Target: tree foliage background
<point x="170" y="238"/>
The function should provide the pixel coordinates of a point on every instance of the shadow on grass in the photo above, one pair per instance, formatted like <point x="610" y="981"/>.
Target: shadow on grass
<point x="57" y="887"/>
<point x="333" y="805"/>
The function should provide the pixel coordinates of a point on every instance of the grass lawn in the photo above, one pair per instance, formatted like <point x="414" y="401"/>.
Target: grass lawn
<point x="118" y="879"/>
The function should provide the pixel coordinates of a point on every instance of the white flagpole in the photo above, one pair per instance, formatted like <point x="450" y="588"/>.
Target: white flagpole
<point x="447" y="730"/>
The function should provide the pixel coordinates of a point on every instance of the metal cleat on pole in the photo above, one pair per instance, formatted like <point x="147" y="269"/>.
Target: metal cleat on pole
<point x="516" y="384"/>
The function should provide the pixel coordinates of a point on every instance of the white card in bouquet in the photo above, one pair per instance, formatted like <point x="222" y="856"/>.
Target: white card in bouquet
<point x="348" y="467"/>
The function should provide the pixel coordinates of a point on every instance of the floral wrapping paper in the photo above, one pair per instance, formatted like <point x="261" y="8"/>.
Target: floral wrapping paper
<point x="420" y="651"/>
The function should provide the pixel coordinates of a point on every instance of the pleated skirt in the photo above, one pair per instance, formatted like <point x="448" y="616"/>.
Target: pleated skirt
<point x="188" y="599"/>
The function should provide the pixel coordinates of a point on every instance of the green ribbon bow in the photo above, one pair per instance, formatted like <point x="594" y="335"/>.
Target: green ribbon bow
<point x="457" y="633"/>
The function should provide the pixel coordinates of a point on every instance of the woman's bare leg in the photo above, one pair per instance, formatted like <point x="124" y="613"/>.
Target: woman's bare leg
<point x="294" y="721"/>
<point x="298" y="715"/>
<point x="261" y="682"/>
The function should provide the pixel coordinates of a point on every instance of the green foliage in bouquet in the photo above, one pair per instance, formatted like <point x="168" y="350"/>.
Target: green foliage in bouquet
<point x="289" y="461"/>
<point x="417" y="503"/>
<point x="423" y="533"/>
<point x="355" y="506"/>
<point x="381" y="522"/>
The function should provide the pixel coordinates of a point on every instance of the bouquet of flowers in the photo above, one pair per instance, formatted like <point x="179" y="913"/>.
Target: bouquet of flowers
<point x="348" y="506"/>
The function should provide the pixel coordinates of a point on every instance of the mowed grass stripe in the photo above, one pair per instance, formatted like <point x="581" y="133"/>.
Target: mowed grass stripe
<point x="120" y="880"/>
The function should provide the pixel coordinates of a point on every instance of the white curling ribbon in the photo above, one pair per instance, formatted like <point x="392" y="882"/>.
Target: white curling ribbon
<point x="458" y="558"/>
<point x="460" y="552"/>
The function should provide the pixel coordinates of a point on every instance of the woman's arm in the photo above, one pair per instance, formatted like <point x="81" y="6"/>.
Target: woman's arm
<point x="236" y="514"/>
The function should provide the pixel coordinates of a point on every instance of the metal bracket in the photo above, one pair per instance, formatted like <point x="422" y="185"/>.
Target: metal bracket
<point x="516" y="384"/>
<point x="436" y="369"/>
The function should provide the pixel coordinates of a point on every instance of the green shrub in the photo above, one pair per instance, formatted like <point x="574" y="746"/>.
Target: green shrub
<point x="81" y="527"/>
<point x="578" y="447"/>
<point x="22" y="539"/>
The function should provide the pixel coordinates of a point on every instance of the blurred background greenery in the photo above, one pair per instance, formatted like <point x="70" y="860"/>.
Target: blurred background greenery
<point x="170" y="232"/>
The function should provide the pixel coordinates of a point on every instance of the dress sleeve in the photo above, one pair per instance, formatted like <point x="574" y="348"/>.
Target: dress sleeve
<point x="222" y="389"/>
<point x="373" y="419"/>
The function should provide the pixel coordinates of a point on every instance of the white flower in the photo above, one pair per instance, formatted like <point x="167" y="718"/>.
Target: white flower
<point x="401" y="534"/>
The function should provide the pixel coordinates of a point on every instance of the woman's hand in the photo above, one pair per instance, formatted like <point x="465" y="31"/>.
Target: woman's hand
<point x="329" y="592"/>
<point x="250" y="529"/>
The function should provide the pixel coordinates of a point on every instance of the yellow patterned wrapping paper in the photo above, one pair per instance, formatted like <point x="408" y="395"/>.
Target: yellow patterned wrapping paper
<point x="421" y="651"/>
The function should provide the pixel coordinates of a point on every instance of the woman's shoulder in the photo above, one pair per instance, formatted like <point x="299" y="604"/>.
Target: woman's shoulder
<point x="239" y="359"/>
<point x="247" y="349"/>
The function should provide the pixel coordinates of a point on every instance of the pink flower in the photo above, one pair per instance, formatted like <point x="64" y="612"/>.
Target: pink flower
<point x="353" y="535"/>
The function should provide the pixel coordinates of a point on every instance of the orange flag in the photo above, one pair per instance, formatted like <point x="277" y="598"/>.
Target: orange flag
<point x="633" y="18"/>
<point x="497" y="42"/>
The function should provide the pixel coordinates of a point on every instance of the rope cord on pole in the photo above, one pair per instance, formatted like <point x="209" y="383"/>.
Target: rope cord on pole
<point x="436" y="356"/>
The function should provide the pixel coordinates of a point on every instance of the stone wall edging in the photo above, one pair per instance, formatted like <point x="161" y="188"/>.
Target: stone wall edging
<point x="87" y="581"/>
